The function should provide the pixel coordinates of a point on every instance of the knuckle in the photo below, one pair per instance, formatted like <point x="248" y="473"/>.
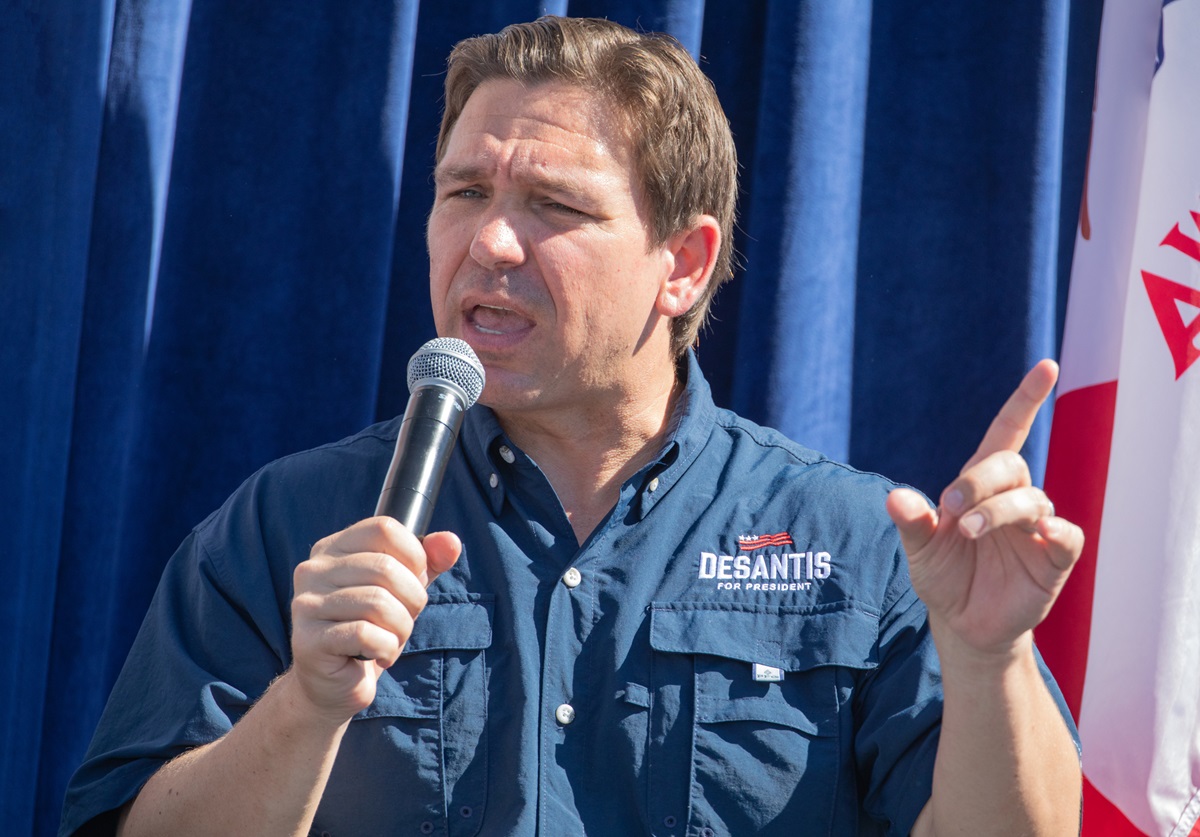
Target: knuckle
<point x="404" y="626"/>
<point x="381" y="564"/>
<point x="390" y="529"/>
<point x="321" y="547"/>
<point x="396" y="575"/>
<point x="377" y="602"/>
<point x="302" y="573"/>
<point x="419" y="600"/>
<point x="305" y="603"/>
<point x="308" y="573"/>
<point x="362" y="632"/>
<point x="1015" y="463"/>
<point x="969" y="486"/>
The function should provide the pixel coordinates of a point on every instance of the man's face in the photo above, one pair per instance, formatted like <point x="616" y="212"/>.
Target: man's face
<point x="540" y="252"/>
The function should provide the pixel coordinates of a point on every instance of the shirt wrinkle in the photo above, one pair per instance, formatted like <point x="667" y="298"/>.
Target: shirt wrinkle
<point x="637" y="696"/>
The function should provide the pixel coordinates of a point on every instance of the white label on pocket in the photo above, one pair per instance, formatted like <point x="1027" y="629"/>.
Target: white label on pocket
<point x="767" y="674"/>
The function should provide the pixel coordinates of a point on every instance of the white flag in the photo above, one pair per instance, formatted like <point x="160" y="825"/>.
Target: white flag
<point x="1125" y="446"/>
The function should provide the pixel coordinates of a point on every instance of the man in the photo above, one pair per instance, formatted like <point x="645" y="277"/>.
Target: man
<point x="644" y="614"/>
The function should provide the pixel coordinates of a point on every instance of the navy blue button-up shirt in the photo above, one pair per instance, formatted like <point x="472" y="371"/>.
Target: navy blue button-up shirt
<point x="735" y="650"/>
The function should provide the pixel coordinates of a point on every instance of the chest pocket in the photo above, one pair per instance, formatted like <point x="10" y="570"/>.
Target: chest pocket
<point x="766" y="755"/>
<point x="415" y="760"/>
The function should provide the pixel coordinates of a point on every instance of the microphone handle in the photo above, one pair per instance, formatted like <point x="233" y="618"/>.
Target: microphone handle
<point x="428" y="431"/>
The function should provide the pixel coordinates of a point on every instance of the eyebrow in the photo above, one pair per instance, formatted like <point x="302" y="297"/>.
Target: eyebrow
<point x="457" y="173"/>
<point x="470" y="172"/>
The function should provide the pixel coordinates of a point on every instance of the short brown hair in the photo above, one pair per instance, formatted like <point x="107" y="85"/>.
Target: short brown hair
<point x="682" y="145"/>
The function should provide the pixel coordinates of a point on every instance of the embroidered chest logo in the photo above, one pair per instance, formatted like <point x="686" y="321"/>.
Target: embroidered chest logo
<point x="767" y="563"/>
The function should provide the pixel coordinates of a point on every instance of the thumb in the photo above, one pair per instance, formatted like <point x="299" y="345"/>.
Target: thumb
<point x="914" y="518"/>
<point x="441" y="553"/>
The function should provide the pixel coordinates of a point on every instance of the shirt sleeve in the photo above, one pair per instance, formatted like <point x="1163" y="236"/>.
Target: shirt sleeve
<point x="213" y="639"/>
<point x="899" y="712"/>
<point x="900" y="709"/>
<point x="218" y="629"/>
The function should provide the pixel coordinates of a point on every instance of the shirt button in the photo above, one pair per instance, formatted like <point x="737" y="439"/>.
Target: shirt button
<point x="493" y="480"/>
<point x="507" y="455"/>
<point x="565" y="714"/>
<point x="572" y="578"/>
<point x="653" y="486"/>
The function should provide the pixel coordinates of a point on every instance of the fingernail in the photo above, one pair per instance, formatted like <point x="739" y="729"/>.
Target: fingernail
<point x="973" y="524"/>
<point x="953" y="501"/>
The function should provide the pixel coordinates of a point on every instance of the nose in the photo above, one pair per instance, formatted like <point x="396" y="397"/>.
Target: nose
<point x="497" y="241"/>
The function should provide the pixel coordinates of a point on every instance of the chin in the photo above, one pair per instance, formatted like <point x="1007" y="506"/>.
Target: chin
<point x="499" y="393"/>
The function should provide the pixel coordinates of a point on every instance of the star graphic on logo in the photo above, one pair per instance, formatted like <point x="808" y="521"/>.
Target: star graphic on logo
<point x="749" y="543"/>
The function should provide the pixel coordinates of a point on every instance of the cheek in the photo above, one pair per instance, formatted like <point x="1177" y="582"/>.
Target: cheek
<point x="596" y="289"/>
<point x="441" y="292"/>
<point x="439" y="283"/>
<point x="447" y="232"/>
<point x="446" y="254"/>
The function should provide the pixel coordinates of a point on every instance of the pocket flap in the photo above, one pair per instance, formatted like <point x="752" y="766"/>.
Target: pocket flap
<point x="452" y="625"/>
<point x="412" y="687"/>
<point x="791" y="638"/>
<point x="769" y="708"/>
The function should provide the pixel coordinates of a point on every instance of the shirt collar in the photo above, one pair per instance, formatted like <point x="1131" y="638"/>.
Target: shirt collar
<point x="691" y="425"/>
<point x="481" y="438"/>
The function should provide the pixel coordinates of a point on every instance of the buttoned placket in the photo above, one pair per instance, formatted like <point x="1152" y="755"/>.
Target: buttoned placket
<point x="565" y="696"/>
<point x="567" y="625"/>
<point x="568" y="618"/>
<point x="569" y="621"/>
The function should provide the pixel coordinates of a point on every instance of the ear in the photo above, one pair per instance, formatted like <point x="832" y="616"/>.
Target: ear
<point x="693" y="255"/>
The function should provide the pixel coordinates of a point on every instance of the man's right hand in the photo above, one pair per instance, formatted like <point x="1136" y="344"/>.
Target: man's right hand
<point x="357" y="596"/>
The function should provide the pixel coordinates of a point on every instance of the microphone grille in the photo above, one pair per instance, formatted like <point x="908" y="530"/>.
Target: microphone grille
<point x="449" y="360"/>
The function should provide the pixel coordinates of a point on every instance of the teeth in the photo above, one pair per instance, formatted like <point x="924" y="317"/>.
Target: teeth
<point x="498" y="320"/>
<point x="497" y="309"/>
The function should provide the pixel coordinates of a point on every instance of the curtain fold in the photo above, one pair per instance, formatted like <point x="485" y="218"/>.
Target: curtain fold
<point x="212" y="254"/>
<point x="51" y="110"/>
<point x="796" y="320"/>
<point x="965" y="129"/>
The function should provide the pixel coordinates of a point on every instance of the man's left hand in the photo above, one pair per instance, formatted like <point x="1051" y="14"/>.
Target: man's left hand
<point x="991" y="559"/>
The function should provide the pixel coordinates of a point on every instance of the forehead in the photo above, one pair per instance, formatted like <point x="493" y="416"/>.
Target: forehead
<point x="551" y="122"/>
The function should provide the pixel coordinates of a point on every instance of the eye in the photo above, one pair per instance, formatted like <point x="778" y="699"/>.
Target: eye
<point x="564" y="209"/>
<point x="451" y="192"/>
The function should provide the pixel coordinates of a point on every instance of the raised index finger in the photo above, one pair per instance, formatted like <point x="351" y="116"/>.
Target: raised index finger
<point x="1010" y="428"/>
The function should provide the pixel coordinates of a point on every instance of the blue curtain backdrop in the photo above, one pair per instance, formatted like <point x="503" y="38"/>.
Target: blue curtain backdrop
<point x="212" y="254"/>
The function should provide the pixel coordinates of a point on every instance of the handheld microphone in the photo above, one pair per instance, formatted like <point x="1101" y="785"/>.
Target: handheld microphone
<point x="444" y="379"/>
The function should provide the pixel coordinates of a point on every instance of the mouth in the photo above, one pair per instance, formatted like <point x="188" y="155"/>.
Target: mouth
<point x="496" y="321"/>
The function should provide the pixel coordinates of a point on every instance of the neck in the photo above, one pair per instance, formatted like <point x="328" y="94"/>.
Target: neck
<point x="588" y="453"/>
